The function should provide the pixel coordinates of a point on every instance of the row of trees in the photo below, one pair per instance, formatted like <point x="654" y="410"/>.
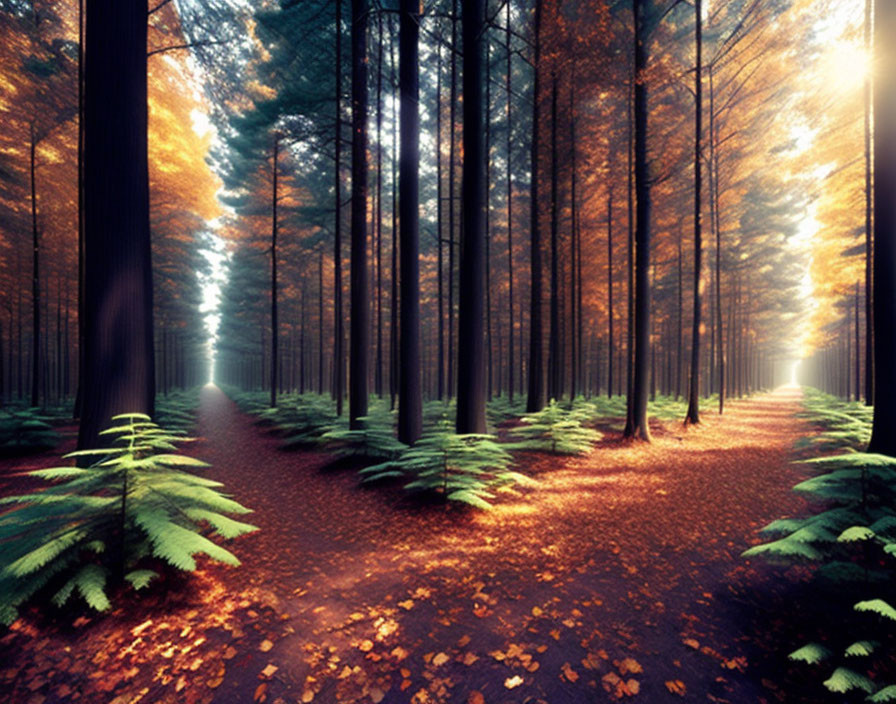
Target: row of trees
<point x="574" y="187"/>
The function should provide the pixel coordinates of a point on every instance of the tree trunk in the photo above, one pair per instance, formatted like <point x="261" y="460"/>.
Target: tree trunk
<point x="440" y="235"/>
<point x="535" y="400"/>
<point x="452" y="103"/>
<point x="554" y="361"/>
<point x="510" y="365"/>
<point x="360" y="312"/>
<point x="883" y="439"/>
<point x="119" y="356"/>
<point x="610" y="346"/>
<point x="471" y="390"/>
<point x="639" y="428"/>
<point x="338" y="331"/>
<point x="274" y="321"/>
<point x="693" y="414"/>
<point x="35" y="276"/>
<point x="410" y="397"/>
<point x="378" y="367"/>
<point x="869" y="242"/>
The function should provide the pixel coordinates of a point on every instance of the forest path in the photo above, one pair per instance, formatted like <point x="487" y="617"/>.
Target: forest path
<point x="619" y="576"/>
<point x="630" y="552"/>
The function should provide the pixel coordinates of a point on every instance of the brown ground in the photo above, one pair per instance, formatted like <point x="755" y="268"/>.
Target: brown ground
<point x="618" y="577"/>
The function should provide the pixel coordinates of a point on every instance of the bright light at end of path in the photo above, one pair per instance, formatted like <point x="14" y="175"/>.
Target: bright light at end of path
<point x="795" y="372"/>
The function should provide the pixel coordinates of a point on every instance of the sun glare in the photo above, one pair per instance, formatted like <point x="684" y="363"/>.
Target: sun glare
<point x="846" y="66"/>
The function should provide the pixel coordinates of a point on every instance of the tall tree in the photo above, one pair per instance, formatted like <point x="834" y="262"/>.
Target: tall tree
<point x="869" y="244"/>
<point x="338" y="329"/>
<point x="360" y="311"/>
<point x="639" y="428"/>
<point x="119" y="364"/>
<point x="535" y="399"/>
<point x="275" y="328"/>
<point x="410" y="396"/>
<point x="693" y="414"/>
<point x="883" y="439"/>
<point x="471" y="390"/>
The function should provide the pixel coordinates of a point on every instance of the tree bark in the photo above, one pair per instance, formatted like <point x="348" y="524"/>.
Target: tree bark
<point x="360" y="311"/>
<point x="639" y="428"/>
<point x="693" y="414"/>
<point x="508" y="88"/>
<point x="535" y="400"/>
<point x="869" y="241"/>
<point x="338" y="331"/>
<point x="119" y="355"/>
<point x="471" y="388"/>
<point x="410" y="397"/>
<point x="274" y="320"/>
<point x="883" y="439"/>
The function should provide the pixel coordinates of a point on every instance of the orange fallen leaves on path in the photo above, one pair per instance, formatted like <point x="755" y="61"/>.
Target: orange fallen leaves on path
<point x="618" y="575"/>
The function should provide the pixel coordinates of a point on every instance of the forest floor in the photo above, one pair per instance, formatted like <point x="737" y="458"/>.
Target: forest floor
<point x="619" y="576"/>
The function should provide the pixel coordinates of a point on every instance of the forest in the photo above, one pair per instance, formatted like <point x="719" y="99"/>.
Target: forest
<point x="420" y="351"/>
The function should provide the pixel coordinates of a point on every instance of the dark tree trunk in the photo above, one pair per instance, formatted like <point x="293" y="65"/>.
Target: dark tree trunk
<point x="35" y="275"/>
<point x="452" y="103"/>
<point x="869" y="241"/>
<point x="639" y="428"/>
<point x="535" y="400"/>
<point x="508" y="87"/>
<point x="360" y="306"/>
<point x="576" y="284"/>
<point x="378" y="365"/>
<point x="338" y="331"/>
<point x="320" y="320"/>
<point x="410" y="397"/>
<point x="471" y="389"/>
<point x="488" y="233"/>
<point x="394" y="372"/>
<point x="883" y="439"/>
<point x="119" y="364"/>
<point x="693" y="414"/>
<point x="630" y="270"/>
<point x="76" y="409"/>
<point x="554" y="361"/>
<point x="610" y="345"/>
<point x="274" y="321"/>
<point x="440" y="244"/>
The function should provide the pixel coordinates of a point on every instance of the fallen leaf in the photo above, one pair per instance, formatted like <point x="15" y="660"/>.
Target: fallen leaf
<point x="307" y="696"/>
<point x="569" y="673"/>
<point x="512" y="682"/>
<point x="676" y="687"/>
<point x="365" y="646"/>
<point x="475" y="697"/>
<point x="265" y="645"/>
<point x="269" y="670"/>
<point x="261" y="692"/>
<point x="440" y="659"/>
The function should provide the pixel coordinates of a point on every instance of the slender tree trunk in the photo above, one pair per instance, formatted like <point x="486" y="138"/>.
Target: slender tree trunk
<point x="35" y="275"/>
<point x="508" y="88"/>
<point x="639" y="428"/>
<point x="360" y="305"/>
<point x="320" y="320"/>
<point x="76" y="409"/>
<point x="630" y="272"/>
<point x="119" y="355"/>
<point x="338" y="331"/>
<point x="554" y="361"/>
<point x="378" y="369"/>
<point x="869" y="242"/>
<point x="410" y="397"/>
<point x="440" y="244"/>
<point x="274" y="321"/>
<point x="488" y="233"/>
<point x="452" y="356"/>
<point x="394" y="372"/>
<point x="693" y="414"/>
<point x="471" y="388"/>
<point x="575" y="283"/>
<point x="535" y="400"/>
<point x="610" y="313"/>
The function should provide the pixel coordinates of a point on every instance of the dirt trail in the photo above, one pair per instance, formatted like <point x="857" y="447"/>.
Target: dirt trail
<point x="619" y="576"/>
